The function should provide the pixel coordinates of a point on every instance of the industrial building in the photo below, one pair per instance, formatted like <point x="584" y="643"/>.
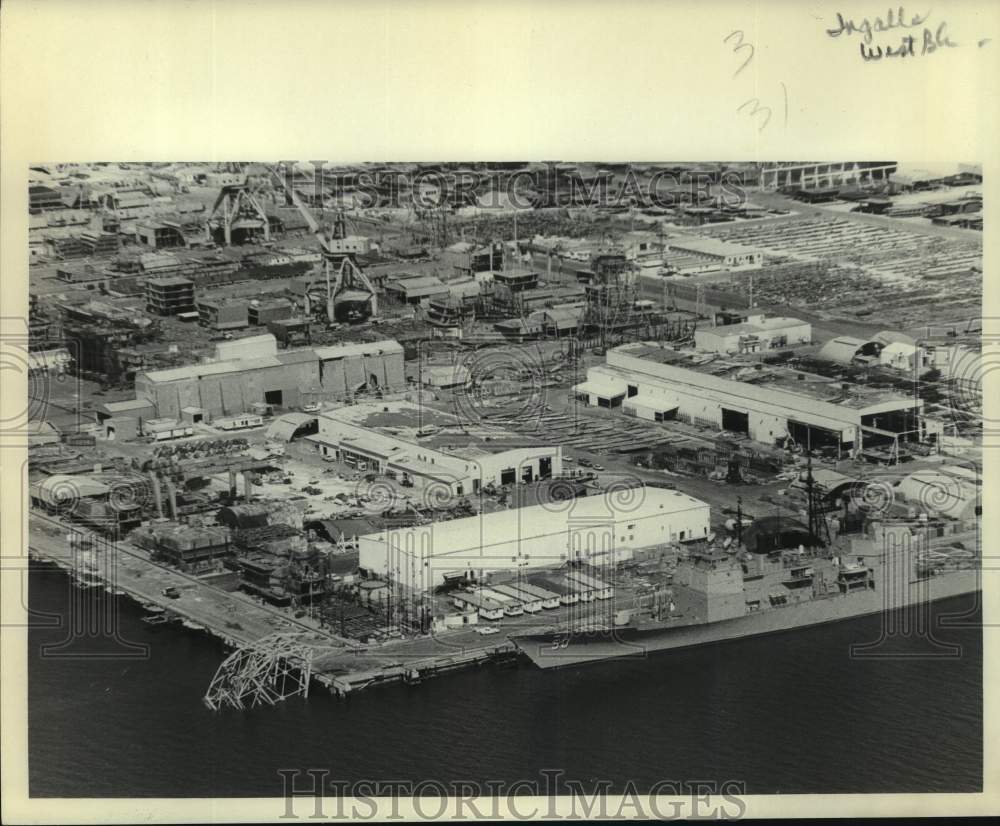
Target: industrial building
<point x="223" y="314"/>
<point x="819" y="174"/>
<point x="170" y="295"/>
<point x="755" y="335"/>
<point x="264" y="312"/>
<point x="452" y="471"/>
<point x="415" y="289"/>
<point x="886" y="349"/>
<point x="766" y="403"/>
<point x="253" y="371"/>
<point x="594" y="529"/>
<point x="712" y="251"/>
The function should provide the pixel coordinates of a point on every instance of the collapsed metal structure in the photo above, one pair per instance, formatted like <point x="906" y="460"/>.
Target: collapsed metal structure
<point x="269" y="670"/>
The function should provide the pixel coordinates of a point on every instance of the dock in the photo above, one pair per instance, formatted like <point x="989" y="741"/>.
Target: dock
<point x="244" y="623"/>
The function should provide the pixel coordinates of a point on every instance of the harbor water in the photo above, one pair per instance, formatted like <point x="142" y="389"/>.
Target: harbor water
<point x="792" y="713"/>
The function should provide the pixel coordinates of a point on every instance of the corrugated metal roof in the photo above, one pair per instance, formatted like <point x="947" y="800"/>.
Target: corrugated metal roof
<point x="841" y="349"/>
<point x="285" y="426"/>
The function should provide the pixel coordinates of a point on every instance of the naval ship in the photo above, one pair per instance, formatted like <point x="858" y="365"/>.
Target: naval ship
<point x="777" y="580"/>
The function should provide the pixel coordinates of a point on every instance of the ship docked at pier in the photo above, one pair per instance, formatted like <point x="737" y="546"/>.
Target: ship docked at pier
<point x="772" y="580"/>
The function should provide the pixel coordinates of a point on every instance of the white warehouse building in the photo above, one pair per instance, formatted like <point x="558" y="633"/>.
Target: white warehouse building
<point x="764" y="402"/>
<point x="755" y="335"/>
<point x="601" y="530"/>
<point x="459" y="471"/>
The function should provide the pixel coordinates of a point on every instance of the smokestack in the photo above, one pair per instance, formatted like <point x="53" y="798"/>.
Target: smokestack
<point x="232" y="483"/>
<point x="247" y="487"/>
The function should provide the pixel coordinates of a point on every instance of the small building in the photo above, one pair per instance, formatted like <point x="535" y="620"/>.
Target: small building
<point x="529" y="603"/>
<point x="261" y="312"/>
<point x="194" y="415"/>
<point x="240" y="422"/>
<point x="138" y="410"/>
<point x="414" y="290"/>
<point x="714" y="251"/>
<point x="599" y="588"/>
<point x="163" y="429"/>
<point x="601" y="391"/>
<point x="532" y="591"/>
<point x="121" y="428"/>
<point x="79" y="273"/>
<point x="757" y="334"/>
<point x="484" y="606"/>
<point x="516" y="280"/>
<point x="291" y="332"/>
<point x="170" y="295"/>
<point x="223" y="314"/>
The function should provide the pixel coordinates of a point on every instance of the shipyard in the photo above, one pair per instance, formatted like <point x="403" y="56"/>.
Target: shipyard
<point x="374" y="423"/>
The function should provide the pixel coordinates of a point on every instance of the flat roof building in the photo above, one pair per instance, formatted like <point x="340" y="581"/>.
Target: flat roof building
<point x="170" y="295"/>
<point x="712" y="250"/>
<point x="596" y="529"/>
<point x="763" y="402"/>
<point x="222" y="314"/>
<point x="757" y="334"/>
<point x="452" y="471"/>
<point x="266" y="376"/>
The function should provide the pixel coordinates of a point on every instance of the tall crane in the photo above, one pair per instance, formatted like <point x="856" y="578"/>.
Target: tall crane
<point x="350" y="295"/>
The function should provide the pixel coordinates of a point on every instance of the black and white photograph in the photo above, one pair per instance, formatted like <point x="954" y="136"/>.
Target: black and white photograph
<point x="572" y="486"/>
<point x="502" y="465"/>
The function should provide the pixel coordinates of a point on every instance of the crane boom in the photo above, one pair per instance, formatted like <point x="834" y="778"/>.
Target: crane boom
<point x="306" y="214"/>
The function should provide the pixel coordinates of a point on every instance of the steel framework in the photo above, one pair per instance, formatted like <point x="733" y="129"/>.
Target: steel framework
<point x="269" y="670"/>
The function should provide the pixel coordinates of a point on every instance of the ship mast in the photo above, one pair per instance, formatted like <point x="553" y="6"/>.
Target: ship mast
<point x="818" y="528"/>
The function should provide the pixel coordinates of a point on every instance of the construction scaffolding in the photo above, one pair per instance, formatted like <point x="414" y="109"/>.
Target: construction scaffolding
<point x="269" y="670"/>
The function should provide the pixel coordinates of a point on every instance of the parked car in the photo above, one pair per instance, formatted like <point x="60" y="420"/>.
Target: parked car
<point x="486" y="630"/>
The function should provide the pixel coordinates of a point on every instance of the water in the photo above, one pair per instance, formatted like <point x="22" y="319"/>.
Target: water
<point x="791" y="714"/>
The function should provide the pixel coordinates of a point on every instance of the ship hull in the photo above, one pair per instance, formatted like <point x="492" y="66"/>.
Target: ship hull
<point x="561" y="649"/>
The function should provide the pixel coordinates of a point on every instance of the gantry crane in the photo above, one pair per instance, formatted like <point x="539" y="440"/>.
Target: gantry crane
<point x="350" y="295"/>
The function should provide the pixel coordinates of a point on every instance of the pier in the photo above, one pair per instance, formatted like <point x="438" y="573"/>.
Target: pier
<point x="264" y="667"/>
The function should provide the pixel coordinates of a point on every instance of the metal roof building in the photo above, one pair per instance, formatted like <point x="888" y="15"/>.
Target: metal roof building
<point x="232" y="386"/>
<point x="767" y="403"/>
<point x="602" y="529"/>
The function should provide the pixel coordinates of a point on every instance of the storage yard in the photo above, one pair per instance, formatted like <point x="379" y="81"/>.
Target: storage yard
<point x="363" y="443"/>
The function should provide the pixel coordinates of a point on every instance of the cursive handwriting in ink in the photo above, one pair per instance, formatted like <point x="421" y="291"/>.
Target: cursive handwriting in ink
<point x="895" y="19"/>
<point x="929" y="43"/>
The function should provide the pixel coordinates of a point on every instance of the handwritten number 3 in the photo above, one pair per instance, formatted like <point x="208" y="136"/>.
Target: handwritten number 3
<point x="738" y="46"/>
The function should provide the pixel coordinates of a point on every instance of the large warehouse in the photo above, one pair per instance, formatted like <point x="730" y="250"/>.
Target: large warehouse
<point x="765" y="402"/>
<point x="289" y="378"/>
<point x="461" y="470"/>
<point x="602" y="530"/>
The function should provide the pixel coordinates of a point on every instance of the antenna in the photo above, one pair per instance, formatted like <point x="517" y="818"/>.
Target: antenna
<point x="817" y="524"/>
